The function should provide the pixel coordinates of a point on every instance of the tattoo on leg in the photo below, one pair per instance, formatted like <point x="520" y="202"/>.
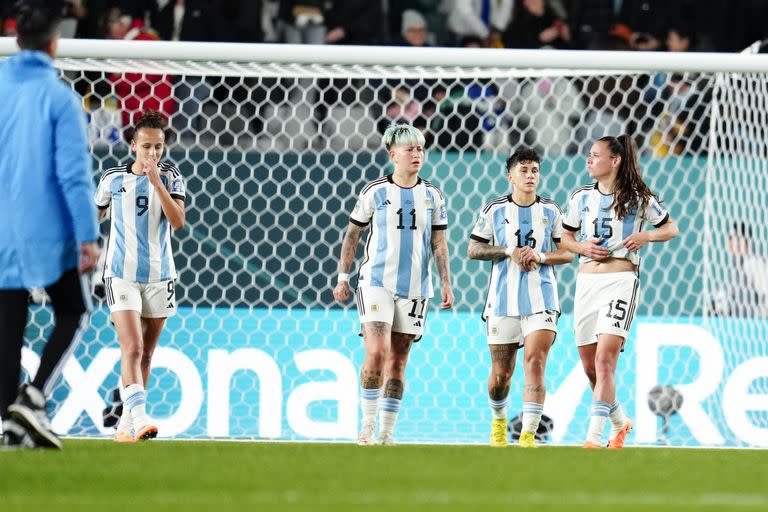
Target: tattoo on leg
<point x="503" y="353"/>
<point x="401" y="342"/>
<point x="370" y="379"/>
<point x="376" y="328"/>
<point x="394" y="389"/>
<point x="535" y="389"/>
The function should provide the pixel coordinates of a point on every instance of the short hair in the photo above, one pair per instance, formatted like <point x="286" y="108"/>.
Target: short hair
<point x="399" y="134"/>
<point x="37" y="23"/>
<point x="523" y="155"/>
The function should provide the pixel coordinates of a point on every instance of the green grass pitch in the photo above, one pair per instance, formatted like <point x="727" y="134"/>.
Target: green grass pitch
<point x="218" y="476"/>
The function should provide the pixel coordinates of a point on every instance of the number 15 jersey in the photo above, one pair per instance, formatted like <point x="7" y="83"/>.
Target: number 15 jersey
<point x="139" y="245"/>
<point x="398" y="249"/>
<point x="590" y="212"/>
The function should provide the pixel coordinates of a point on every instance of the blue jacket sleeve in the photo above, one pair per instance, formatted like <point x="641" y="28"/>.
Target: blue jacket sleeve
<point x="73" y="167"/>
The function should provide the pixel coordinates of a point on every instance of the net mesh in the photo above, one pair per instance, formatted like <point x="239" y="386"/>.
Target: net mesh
<point x="274" y="156"/>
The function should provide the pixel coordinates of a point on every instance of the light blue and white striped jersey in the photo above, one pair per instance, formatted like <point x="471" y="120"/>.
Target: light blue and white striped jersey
<point x="398" y="249"/>
<point x="139" y="246"/>
<point x="591" y="213"/>
<point x="511" y="291"/>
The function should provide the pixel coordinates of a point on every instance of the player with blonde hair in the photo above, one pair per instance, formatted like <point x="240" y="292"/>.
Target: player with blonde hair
<point x="407" y="220"/>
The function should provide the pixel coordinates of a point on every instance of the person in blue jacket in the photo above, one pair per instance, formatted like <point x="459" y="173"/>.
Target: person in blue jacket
<point x="48" y="223"/>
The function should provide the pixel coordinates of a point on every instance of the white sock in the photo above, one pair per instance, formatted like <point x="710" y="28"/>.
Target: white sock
<point x="388" y="415"/>
<point x="532" y="412"/>
<point x="136" y="403"/>
<point x="369" y="403"/>
<point x="618" y="418"/>
<point x="499" y="408"/>
<point x="597" y="422"/>
<point x="125" y="424"/>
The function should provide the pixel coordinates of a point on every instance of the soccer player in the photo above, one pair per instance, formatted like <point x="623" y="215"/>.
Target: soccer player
<point x="407" y="219"/>
<point x="48" y="228"/>
<point x="609" y="216"/>
<point x="146" y="197"/>
<point x="520" y="234"/>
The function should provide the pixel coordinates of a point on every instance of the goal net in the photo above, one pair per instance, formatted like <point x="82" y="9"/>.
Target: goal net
<point x="276" y="142"/>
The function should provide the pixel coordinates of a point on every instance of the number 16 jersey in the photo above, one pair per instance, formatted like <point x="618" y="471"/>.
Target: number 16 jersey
<point x="539" y="226"/>
<point x="139" y="245"/>
<point x="398" y="249"/>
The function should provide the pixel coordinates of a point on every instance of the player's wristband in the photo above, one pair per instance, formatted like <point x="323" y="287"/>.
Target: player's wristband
<point x="542" y="257"/>
<point x="343" y="277"/>
<point x="509" y="251"/>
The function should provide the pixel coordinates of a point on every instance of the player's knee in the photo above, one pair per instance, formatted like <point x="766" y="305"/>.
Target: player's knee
<point x="501" y="374"/>
<point x="132" y="352"/>
<point x="535" y="363"/>
<point x="396" y="366"/>
<point x="604" y="364"/>
<point x="376" y="357"/>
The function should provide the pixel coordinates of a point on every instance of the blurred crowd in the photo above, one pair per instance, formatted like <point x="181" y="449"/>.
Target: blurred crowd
<point x="666" y="110"/>
<point x="704" y="25"/>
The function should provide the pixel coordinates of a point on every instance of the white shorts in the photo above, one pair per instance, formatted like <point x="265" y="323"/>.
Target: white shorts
<point x="151" y="300"/>
<point x="514" y="329"/>
<point x="604" y="304"/>
<point x="380" y="305"/>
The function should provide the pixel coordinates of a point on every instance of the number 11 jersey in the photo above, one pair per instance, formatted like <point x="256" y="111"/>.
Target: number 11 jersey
<point x="139" y="244"/>
<point x="398" y="249"/>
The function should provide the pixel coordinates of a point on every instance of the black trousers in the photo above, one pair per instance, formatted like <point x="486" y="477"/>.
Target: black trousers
<point x="71" y="301"/>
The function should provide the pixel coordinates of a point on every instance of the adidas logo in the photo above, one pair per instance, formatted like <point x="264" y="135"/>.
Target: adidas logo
<point x="170" y="305"/>
<point x="586" y="209"/>
<point x="417" y="323"/>
<point x="385" y="203"/>
<point x="122" y="189"/>
<point x="616" y="325"/>
<point x="506" y="221"/>
<point x="549" y="320"/>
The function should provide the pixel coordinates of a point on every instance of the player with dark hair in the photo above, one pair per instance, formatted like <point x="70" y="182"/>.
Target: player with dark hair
<point x="609" y="215"/>
<point x="48" y="228"/>
<point x="520" y="234"/>
<point x="146" y="199"/>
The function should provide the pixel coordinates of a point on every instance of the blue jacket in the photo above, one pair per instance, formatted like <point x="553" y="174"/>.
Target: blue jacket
<point x="46" y="180"/>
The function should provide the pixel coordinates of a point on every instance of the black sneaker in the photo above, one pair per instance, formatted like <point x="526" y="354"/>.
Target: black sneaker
<point x="15" y="437"/>
<point x="29" y="411"/>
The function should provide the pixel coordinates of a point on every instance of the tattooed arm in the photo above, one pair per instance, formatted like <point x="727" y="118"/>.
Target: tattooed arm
<point x="484" y="251"/>
<point x="440" y="250"/>
<point x="348" y="249"/>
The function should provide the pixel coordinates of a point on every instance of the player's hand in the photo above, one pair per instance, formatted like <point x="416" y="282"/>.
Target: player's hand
<point x="529" y="259"/>
<point x="636" y="241"/>
<point x="592" y="249"/>
<point x="447" y="295"/>
<point x="341" y="292"/>
<point x="89" y="257"/>
<point x="516" y="258"/>
<point x="152" y="172"/>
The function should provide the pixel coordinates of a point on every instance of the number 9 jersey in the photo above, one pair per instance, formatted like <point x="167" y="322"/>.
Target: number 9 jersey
<point x="590" y="212"/>
<point x="139" y="244"/>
